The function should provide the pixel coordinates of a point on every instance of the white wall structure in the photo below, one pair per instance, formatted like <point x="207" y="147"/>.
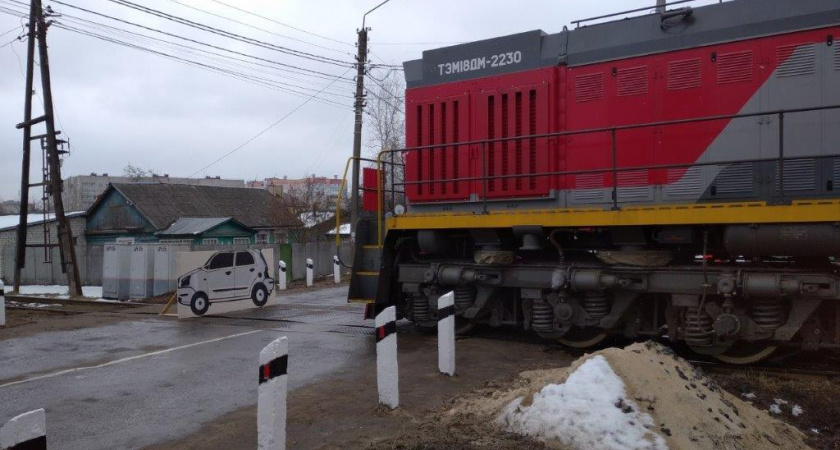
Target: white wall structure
<point x="387" y="370"/>
<point x="2" y="305"/>
<point x="271" y="404"/>
<point x="141" y="274"/>
<point x="446" y="334"/>
<point x="28" y="430"/>
<point x="310" y="268"/>
<point x="336" y="270"/>
<point x="165" y="271"/>
<point x="281" y="280"/>
<point x="116" y="265"/>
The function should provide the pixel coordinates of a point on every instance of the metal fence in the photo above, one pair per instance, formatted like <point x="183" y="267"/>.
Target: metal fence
<point x="37" y="272"/>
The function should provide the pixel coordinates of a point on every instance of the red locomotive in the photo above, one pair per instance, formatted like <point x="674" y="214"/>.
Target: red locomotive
<point x="676" y="173"/>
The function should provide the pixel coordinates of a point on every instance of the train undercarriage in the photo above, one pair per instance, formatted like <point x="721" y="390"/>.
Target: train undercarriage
<point x="712" y="288"/>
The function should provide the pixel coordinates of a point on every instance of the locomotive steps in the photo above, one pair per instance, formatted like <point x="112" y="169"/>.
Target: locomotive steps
<point x="639" y="397"/>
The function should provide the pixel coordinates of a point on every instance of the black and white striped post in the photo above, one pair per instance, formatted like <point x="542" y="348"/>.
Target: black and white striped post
<point x="387" y="371"/>
<point x="2" y="305"/>
<point x="27" y="431"/>
<point x="310" y="272"/>
<point x="271" y="404"/>
<point x="336" y="269"/>
<point x="446" y="334"/>
<point x="281" y="280"/>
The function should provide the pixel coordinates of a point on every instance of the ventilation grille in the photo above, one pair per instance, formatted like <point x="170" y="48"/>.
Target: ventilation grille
<point x="735" y="67"/>
<point x="835" y="172"/>
<point x="632" y="81"/>
<point x="633" y="185"/>
<point x="589" y="187"/>
<point x="735" y="179"/>
<point x="799" y="175"/>
<point x="837" y="56"/>
<point x="795" y="60"/>
<point x="589" y="87"/>
<point x="684" y="74"/>
<point x="684" y="182"/>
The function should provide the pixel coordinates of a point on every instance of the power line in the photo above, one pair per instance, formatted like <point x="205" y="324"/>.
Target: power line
<point x="234" y="74"/>
<point x="281" y="23"/>
<point x="234" y="36"/>
<point x="302" y="71"/>
<point x="266" y="129"/>
<point x="215" y="57"/>
<point x="258" y="28"/>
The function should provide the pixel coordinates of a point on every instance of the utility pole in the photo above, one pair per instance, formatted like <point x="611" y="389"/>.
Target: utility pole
<point x="54" y="184"/>
<point x="20" y="257"/>
<point x="361" y="60"/>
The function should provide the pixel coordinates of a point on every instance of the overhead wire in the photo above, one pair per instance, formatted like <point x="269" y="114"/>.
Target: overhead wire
<point x="287" y="115"/>
<point x="231" y="35"/>
<point x="259" y="28"/>
<point x="298" y="69"/>
<point x="281" y="23"/>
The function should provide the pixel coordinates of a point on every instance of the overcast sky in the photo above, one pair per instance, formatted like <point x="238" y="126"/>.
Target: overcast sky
<point x="119" y="105"/>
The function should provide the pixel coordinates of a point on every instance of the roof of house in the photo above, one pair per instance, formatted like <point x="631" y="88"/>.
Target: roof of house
<point x="163" y="204"/>
<point x="10" y="222"/>
<point x="197" y="225"/>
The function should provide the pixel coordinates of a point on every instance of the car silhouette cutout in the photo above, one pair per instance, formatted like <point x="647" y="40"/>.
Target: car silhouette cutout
<point x="226" y="276"/>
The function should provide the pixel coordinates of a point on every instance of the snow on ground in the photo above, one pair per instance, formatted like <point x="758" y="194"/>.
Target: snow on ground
<point x="748" y="395"/>
<point x="796" y="410"/>
<point x="61" y="292"/>
<point x="590" y="410"/>
<point x="29" y="305"/>
<point x="775" y="409"/>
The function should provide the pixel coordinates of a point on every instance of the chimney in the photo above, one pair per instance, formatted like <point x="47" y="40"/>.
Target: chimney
<point x="660" y="6"/>
<point x="104" y="174"/>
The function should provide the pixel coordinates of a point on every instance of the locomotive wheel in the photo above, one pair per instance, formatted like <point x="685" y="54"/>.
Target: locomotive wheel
<point x="583" y="338"/>
<point x="744" y="353"/>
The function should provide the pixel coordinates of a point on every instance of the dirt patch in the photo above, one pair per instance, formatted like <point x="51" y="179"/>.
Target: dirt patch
<point x="342" y="412"/>
<point x="819" y="418"/>
<point x="688" y="409"/>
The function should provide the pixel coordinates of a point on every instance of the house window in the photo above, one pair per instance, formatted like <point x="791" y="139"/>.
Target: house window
<point x="210" y="241"/>
<point x="262" y="237"/>
<point x="241" y="241"/>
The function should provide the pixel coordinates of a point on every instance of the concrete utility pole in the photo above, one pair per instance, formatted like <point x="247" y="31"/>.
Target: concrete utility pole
<point x="54" y="184"/>
<point x="361" y="59"/>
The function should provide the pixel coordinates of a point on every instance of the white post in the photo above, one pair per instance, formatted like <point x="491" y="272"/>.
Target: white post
<point x="281" y="282"/>
<point x="336" y="269"/>
<point x="387" y="371"/>
<point x="271" y="404"/>
<point x="26" y="431"/>
<point x="310" y="268"/>
<point x="2" y="305"/>
<point x="446" y="334"/>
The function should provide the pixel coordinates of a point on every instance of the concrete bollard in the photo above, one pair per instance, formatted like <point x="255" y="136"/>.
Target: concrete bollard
<point x="336" y="269"/>
<point x="26" y="431"/>
<point x="2" y="305"/>
<point x="446" y="334"/>
<point x="281" y="281"/>
<point x="271" y="404"/>
<point x="387" y="371"/>
<point x="310" y="275"/>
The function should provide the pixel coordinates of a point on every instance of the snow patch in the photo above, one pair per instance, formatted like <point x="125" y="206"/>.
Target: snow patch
<point x="590" y="410"/>
<point x="780" y="401"/>
<point x="815" y="431"/>
<point x="775" y="409"/>
<point x="61" y="292"/>
<point x="748" y="395"/>
<point x="797" y="410"/>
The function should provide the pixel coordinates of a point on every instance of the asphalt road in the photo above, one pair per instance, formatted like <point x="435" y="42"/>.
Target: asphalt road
<point x="140" y="382"/>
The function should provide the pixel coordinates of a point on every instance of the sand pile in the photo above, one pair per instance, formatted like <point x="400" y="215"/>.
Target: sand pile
<point x="639" y="397"/>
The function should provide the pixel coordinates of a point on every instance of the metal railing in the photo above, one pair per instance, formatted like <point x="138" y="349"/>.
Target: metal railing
<point x="613" y="168"/>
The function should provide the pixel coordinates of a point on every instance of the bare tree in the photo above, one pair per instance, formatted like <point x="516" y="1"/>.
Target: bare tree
<point x="385" y="107"/>
<point x="136" y="173"/>
<point x="310" y="203"/>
